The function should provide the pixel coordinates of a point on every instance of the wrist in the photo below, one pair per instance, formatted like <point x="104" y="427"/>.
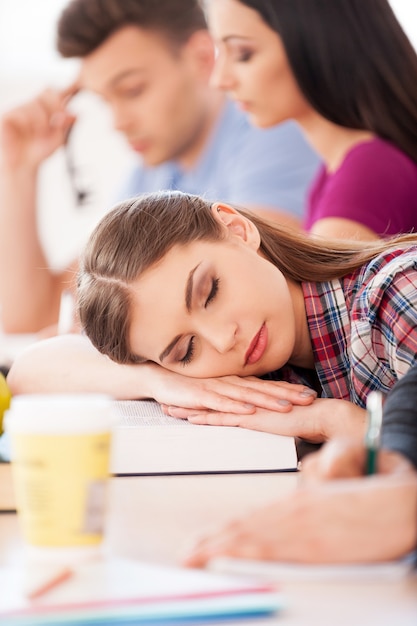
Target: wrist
<point x="18" y="171"/>
<point x="152" y="377"/>
<point x="136" y="382"/>
<point x="343" y="419"/>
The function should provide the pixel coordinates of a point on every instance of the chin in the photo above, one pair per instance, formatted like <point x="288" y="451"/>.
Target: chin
<point x="264" y="121"/>
<point x="152" y="160"/>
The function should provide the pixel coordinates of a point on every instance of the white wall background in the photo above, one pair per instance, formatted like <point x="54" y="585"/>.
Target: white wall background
<point x="28" y="63"/>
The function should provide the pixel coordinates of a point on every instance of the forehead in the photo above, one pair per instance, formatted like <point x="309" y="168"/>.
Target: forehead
<point x="174" y="267"/>
<point x="232" y="18"/>
<point x="129" y="50"/>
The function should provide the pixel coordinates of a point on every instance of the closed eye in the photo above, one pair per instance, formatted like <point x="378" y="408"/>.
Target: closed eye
<point x="245" y="56"/>
<point x="187" y="358"/>
<point x="213" y="291"/>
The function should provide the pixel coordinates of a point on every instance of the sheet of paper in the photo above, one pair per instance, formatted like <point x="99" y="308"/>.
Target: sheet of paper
<point x="270" y="571"/>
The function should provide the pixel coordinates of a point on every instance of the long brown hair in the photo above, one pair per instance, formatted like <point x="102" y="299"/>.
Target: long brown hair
<point x="138" y="233"/>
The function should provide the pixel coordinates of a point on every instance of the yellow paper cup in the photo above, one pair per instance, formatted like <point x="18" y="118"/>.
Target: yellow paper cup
<point x="60" y="449"/>
<point x="5" y="397"/>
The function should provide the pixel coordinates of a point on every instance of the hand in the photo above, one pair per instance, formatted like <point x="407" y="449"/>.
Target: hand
<point x="316" y="421"/>
<point x="181" y="396"/>
<point x="369" y="519"/>
<point x="346" y="458"/>
<point x="33" y="131"/>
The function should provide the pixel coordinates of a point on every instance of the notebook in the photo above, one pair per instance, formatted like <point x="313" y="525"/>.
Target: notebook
<point x="147" y="442"/>
<point x="123" y="591"/>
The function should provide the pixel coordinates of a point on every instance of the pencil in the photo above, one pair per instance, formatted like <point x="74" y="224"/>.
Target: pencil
<point x="373" y="430"/>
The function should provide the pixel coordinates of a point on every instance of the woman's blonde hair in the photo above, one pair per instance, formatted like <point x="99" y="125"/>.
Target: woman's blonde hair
<point x="138" y="233"/>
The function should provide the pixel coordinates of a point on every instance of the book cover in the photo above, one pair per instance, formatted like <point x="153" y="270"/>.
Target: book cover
<point x="148" y="442"/>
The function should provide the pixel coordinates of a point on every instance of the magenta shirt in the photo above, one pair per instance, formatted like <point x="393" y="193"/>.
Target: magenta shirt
<point x="376" y="185"/>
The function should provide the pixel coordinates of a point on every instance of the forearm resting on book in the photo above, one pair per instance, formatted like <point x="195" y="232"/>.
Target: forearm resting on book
<point x="71" y="364"/>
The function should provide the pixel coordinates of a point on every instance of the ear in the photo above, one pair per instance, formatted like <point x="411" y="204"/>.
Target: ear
<point x="200" y="52"/>
<point x="237" y="224"/>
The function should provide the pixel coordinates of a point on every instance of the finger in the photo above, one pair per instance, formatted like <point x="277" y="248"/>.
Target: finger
<point x="58" y="119"/>
<point x="253" y="397"/>
<point x="179" y="412"/>
<point x="272" y="385"/>
<point x="32" y="121"/>
<point x="215" y="419"/>
<point x="274" y="422"/>
<point x="266" y="421"/>
<point x="340" y="458"/>
<point x="42" y="117"/>
<point x="223" y="403"/>
<point x="69" y="92"/>
<point x="267" y="395"/>
<point x="390" y="462"/>
<point x="281" y="386"/>
<point x="52" y="101"/>
<point x="208" y="547"/>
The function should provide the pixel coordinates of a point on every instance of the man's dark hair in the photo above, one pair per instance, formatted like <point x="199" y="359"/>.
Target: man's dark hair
<point x="85" y="24"/>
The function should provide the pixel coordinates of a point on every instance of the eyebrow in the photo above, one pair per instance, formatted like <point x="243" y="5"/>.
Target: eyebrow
<point x="188" y="298"/>
<point x="231" y="38"/>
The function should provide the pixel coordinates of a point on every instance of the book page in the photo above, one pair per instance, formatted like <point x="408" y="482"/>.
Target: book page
<point x="134" y="413"/>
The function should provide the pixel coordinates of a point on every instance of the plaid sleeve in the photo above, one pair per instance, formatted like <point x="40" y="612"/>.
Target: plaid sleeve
<point x="395" y="323"/>
<point x="384" y="327"/>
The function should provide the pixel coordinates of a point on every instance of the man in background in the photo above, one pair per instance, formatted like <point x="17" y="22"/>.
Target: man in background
<point x="151" y="62"/>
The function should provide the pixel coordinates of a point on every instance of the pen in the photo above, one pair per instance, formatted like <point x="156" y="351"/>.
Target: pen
<point x="373" y="430"/>
<point x="48" y="581"/>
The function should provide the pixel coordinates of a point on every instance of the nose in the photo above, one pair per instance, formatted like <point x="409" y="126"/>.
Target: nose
<point x="221" y="76"/>
<point x="121" y="117"/>
<point x="222" y="337"/>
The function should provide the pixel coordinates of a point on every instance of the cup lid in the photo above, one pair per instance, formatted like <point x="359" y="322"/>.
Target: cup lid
<point x="58" y="413"/>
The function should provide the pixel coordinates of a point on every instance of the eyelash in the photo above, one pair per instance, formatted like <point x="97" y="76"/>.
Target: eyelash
<point x="134" y="92"/>
<point x="187" y="358"/>
<point x="245" y="56"/>
<point x="189" y="354"/>
<point x="213" y="291"/>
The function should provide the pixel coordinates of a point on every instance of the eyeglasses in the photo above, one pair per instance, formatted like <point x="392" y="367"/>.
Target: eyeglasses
<point x="81" y="195"/>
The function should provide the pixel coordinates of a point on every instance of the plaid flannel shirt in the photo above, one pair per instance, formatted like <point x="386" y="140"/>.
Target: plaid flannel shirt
<point x="363" y="327"/>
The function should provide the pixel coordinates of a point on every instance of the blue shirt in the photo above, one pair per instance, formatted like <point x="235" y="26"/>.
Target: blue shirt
<point x="248" y="166"/>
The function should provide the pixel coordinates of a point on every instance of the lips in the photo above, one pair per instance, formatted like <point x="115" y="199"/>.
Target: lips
<point x="257" y="346"/>
<point x="139" y="146"/>
<point x="244" y="106"/>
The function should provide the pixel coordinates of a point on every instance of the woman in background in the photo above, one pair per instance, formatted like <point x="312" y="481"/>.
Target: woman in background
<point x="348" y="75"/>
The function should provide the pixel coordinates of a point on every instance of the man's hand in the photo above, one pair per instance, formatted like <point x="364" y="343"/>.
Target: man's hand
<point x="346" y="458"/>
<point x="31" y="132"/>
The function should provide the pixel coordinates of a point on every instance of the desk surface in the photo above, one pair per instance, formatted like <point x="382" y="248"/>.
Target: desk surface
<point x="157" y="518"/>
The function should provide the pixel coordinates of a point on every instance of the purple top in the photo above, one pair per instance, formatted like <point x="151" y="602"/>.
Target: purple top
<point x="376" y="185"/>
